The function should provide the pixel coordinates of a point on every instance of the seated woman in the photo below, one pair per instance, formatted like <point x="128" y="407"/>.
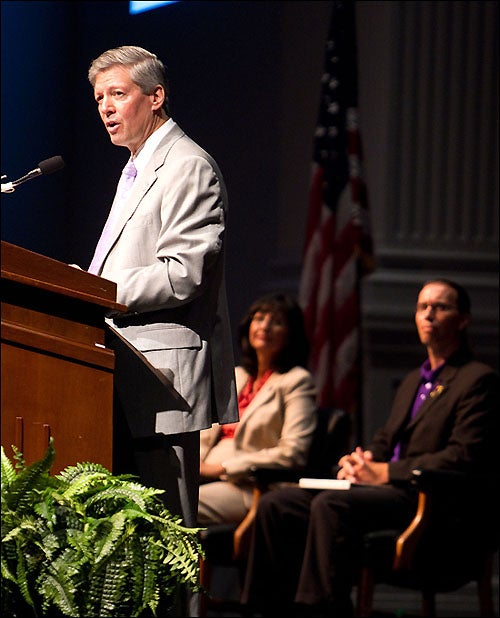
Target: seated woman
<point x="277" y="406"/>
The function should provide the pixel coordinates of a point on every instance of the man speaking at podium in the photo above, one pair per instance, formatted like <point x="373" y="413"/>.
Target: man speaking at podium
<point x="163" y="245"/>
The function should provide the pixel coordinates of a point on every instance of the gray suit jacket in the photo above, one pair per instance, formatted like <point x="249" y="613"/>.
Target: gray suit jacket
<point x="167" y="259"/>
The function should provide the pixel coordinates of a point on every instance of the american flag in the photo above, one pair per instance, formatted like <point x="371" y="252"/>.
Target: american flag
<point x="338" y="247"/>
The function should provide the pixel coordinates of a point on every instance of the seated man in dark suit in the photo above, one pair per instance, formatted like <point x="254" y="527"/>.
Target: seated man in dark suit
<point x="303" y="556"/>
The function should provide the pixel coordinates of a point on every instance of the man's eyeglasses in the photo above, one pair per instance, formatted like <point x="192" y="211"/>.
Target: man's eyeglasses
<point x="436" y="307"/>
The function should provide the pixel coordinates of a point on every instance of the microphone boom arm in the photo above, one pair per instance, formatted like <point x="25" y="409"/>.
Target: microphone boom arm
<point x="48" y="166"/>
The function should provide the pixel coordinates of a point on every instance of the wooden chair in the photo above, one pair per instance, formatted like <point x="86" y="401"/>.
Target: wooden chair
<point x="227" y="544"/>
<point x="451" y="541"/>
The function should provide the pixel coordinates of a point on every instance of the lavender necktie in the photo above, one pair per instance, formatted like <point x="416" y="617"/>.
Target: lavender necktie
<point x="124" y="186"/>
<point x="423" y="391"/>
<point x="428" y="380"/>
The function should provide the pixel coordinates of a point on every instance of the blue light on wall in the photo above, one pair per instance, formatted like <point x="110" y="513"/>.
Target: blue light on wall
<point x="141" y="6"/>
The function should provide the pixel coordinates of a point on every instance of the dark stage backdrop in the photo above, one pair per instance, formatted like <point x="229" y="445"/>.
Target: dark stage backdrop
<point x="245" y="81"/>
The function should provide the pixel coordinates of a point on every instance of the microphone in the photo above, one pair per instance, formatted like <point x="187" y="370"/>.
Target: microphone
<point x="48" y="166"/>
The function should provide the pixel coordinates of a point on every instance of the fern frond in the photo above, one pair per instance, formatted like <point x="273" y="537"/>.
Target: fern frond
<point x="28" y="480"/>
<point x="71" y="474"/>
<point x="144" y="574"/>
<point x="110" y="589"/>
<point x="53" y="590"/>
<point x="117" y="496"/>
<point x="109" y="534"/>
<point x="22" y="577"/>
<point x="26" y="526"/>
<point x="18" y="458"/>
<point x="7" y="471"/>
<point x="83" y="484"/>
<point x="7" y="574"/>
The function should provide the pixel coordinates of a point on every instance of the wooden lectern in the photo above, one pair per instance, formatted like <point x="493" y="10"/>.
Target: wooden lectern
<point x="57" y="373"/>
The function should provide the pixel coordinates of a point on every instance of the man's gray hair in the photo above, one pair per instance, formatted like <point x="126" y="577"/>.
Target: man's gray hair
<point x="146" y="69"/>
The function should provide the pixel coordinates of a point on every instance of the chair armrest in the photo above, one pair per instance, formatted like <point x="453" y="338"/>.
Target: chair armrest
<point x="408" y="540"/>
<point x="448" y="501"/>
<point x="427" y="482"/>
<point x="263" y="477"/>
<point x="439" y="480"/>
<point x="241" y="536"/>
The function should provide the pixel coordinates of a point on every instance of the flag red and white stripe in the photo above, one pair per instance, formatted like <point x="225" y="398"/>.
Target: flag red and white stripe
<point x="338" y="246"/>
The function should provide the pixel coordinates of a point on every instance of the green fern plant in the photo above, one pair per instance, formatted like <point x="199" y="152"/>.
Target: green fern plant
<point x="85" y="543"/>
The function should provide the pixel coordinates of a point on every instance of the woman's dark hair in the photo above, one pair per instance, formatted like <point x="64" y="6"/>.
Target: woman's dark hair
<point x="296" y="349"/>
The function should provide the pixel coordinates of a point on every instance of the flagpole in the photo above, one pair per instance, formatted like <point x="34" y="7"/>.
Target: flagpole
<point x="338" y="246"/>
